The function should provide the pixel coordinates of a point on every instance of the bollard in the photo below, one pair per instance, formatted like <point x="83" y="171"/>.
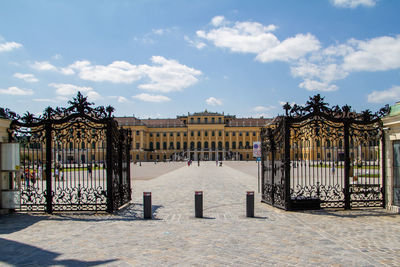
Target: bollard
<point x="147" y="209"/>
<point x="250" y="204"/>
<point x="198" y="204"/>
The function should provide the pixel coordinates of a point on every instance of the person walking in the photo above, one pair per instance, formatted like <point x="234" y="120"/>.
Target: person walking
<point x="89" y="169"/>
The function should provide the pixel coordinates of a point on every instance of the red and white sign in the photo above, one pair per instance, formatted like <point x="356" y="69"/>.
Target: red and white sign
<point x="257" y="149"/>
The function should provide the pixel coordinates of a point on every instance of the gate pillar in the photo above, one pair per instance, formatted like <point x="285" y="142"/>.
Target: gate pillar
<point x="49" y="197"/>
<point x="346" y="166"/>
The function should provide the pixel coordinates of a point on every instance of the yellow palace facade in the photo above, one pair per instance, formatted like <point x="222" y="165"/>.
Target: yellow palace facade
<point x="198" y="136"/>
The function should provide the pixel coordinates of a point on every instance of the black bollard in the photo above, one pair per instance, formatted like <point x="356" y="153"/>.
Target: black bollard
<point x="147" y="213"/>
<point x="198" y="204"/>
<point x="250" y="204"/>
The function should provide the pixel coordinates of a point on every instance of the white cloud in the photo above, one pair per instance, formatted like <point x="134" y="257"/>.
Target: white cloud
<point x="318" y="67"/>
<point x="116" y="72"/>
<point x="290" y="49"/>
<point x="212" y="101"/>
<point x="282" y="103"/>
<point x="122" y="99"/>
<point x="168" y="75"/>
<point x="158" y="31"/>
<point x="26" y="77"/>
<point x="313" y="85"/>
<point x="64" y="89"/>
<point x="391" y="95"/>
<point x="56" y="99"/>
<point x="253" y="37"/>
<point x="244" y="37"/>
<point x="199" y="45"/>
<point x="16" y="91"/>
<point x="353" y="3"/>
<point x="164" y="75"/>
<point x="9" y="46"/>
<point x="217" y="20"/>
<point x="43" y="65"/>
<point x="263" y="108"/>
<point x="377" y="54"/>
<point x="152" y="98"/>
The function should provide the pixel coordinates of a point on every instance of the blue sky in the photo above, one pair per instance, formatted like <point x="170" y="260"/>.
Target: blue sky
<point x="167" y="58"/>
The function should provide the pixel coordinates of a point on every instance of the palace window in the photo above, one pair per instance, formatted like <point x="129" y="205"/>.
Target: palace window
<point x="206" y="133"/>
<point x="213" y="133"/>
<point x="191" y="133"/>
<point x="233" y="133"/>
<point x="171" y="134"/>
<point x="171" y="145"/>
<point x="247" y="133"/>
<point x="220" y="145"/>
<point x="198" y="133"/>
<point x="240" y="145"/>
<point x="219" y="120"/>
<point x="158" y="134"/>
<point x="212" y="120"/>
<point x="205" y="120"/>
<point x="240" y="133"/>
<point x="137" y="145"/>
<point x="206" y="145"/>
<point x="198" y="145"/>
<point x="227" y="145"/>
<point x="151" y="134"/>
<point x="247" y="145"/>
<point x="137" y="132"/>
<point x="226" y="133"/>
<point x="158" y="145"/>
<point x="254" y="133"/>
<point x="165" y="134"/>
<point x="178" y="145"/>
<point x="219" y="133"/>
<point x="151" y="145"/>
<point x="164" y="145"/>
<point x="213" y="145"/>
<point x="198" y="120"/>
<point x="178" y="134"/>
<point x="233" y="145"/>
<point x="184" y="145"/>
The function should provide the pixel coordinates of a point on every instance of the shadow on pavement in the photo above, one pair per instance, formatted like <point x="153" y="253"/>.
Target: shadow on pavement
<point x="353" y="213"/>
<point x="20" y="254"/>
<point x="15" y="222"/>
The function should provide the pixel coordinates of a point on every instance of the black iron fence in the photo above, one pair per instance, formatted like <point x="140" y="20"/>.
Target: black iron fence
<point x="72" y="159"/>
<point x="317" y="156"/>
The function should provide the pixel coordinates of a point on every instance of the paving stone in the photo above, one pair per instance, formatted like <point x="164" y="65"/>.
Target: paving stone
<point x="369" y="237"/>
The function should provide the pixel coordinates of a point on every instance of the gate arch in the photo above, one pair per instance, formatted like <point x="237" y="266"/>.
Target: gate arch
<point x="323" y="156"/>
<point x="72" y="159"/>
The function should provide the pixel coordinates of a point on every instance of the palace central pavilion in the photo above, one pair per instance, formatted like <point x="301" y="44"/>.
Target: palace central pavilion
<point x="198" y="136"/>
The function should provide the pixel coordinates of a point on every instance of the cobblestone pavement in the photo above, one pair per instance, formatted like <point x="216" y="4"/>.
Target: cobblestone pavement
<point x="224" y="237"/>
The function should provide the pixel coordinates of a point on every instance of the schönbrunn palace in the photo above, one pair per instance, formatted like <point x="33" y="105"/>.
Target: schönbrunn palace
<point x="198" y="136"/>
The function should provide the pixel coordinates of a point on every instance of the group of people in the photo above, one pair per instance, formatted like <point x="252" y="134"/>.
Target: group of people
<point x="198" y="163"/>
<point x="30" y="175"/>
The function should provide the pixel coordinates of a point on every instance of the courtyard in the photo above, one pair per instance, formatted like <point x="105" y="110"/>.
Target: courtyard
<point x="366" y="237"/>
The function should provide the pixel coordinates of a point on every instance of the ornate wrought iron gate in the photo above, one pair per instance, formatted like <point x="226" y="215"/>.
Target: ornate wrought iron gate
<point x="319" y="156"/>
<point x="72" y="159"/>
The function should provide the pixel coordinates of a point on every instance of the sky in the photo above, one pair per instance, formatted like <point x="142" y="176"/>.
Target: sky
<point x="160" y="59"/>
